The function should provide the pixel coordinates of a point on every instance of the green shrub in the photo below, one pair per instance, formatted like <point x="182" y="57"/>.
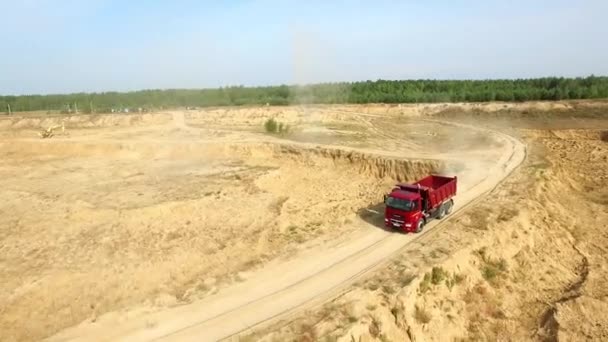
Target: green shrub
<point x="274" y="127"/>
<point x="438" y="274"/>
<point x="425" y="284"/>
<point x="492" y="269"/>
<point x="270" y="125"/>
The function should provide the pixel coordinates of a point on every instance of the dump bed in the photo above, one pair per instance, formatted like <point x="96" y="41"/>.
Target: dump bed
<point x="436" y="189"/>
<point x="435" y="182"/>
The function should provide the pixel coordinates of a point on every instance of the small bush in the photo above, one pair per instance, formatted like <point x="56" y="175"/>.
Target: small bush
<point x="489" y="272"/>
<point x="492" y="269"/>
<point x="271" y="126"/>
<point x="604" y="136"/>
<point x="425" y="284"/>
<point x="274" y="127"/>
<point x="438" y="274"/>
<point x="454" y="280"/>
<point x="502" y="265"/>
<point x="421" y="315"/>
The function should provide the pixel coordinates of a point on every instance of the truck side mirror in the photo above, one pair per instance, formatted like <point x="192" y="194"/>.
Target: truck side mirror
<point x="385" y="196"/>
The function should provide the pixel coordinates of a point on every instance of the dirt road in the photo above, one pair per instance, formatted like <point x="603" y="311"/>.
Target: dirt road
<point x="283" y="286"/>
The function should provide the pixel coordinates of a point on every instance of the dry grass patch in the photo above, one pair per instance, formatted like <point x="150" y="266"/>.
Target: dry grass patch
<point x="421" y="315"/>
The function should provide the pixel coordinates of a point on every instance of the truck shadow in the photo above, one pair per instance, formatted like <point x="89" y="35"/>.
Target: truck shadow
<point x="374" y="215"/>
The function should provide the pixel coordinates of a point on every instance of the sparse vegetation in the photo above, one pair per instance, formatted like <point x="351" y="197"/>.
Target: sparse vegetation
<point x="455" y="279"/>
<point x="274" y="127"/>
<point x="435" y="277"/>
<point x="425" y="284"/>
<point x="438" y="274"/>
<point x="491" y="269"/>
<point x="270" y="126"/>
<point x="421" y="315"/>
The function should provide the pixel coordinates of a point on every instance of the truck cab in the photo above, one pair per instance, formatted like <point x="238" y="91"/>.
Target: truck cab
<point x="403" y="210"/>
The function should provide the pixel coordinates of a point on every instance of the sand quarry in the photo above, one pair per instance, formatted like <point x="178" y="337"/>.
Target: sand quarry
<point x="198" y="225"/>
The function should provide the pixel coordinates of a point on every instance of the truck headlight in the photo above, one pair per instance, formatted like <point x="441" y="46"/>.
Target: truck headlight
<point x="385" y="220"/>
<point x="408" y="225"/>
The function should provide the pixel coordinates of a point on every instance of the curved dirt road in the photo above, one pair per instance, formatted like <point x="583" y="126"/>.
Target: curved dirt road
<point x="284" y="287"/>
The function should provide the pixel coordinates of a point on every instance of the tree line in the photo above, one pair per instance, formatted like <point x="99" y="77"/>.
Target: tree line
<point x="380" y="91"/>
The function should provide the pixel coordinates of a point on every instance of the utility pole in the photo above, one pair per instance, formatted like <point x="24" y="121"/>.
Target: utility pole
<point x="75" y="108"/>
<point x="91" y="106"/>
<point x="9" y="108"/>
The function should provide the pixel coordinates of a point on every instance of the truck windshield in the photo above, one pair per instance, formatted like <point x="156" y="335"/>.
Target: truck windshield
<point x="400" y="204"/>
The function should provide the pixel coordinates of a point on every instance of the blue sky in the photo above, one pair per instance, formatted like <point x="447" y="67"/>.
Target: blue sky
<point x="59" y="46"/>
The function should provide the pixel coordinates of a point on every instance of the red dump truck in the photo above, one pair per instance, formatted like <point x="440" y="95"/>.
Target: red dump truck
<point x="410" y="206"/>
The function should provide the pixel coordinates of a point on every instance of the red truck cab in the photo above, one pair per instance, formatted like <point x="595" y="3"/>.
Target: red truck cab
<point x="410" y="206"/>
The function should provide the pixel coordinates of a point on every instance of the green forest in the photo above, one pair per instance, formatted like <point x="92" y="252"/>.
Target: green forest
<point x="380" y="91"/>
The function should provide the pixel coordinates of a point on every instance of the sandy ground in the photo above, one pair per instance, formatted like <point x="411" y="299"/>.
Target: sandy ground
<point x="149" y="224"/>
<point x="144" y="212"/>
<point x="525" y="263"/>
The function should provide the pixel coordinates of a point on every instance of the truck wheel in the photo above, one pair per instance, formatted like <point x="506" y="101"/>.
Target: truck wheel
<point x="419" y="226"/>
<point x="442" y="211"/>
<point x="449" y="209"/>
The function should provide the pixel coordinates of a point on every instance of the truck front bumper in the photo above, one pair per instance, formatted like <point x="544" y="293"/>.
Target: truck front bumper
<point x="398" y="225"/>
